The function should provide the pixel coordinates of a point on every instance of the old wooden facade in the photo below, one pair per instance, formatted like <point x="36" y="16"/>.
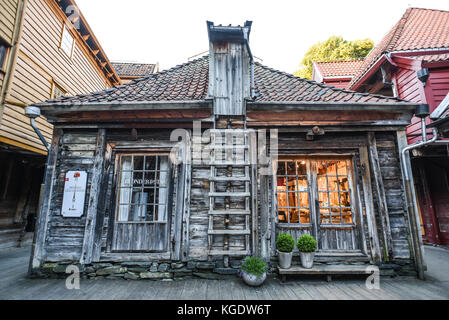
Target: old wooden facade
<point x="47" y="50"/>
<point x="168" y="194"/>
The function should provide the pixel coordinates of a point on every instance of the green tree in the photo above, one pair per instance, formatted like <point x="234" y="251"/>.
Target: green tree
<point x="334" y="48"/>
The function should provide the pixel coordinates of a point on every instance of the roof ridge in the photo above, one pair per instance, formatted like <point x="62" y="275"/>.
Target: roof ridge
<point x="336" y="60"/>
<point x="429" y="9"/>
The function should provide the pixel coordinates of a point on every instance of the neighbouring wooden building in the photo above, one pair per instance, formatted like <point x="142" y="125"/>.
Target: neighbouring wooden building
<point x="338" y="73"/>
<point x="187" y="171"/>
<point x="412" y="63"/>
<point x="47" y="50"/>
<point x="129" y="71"/>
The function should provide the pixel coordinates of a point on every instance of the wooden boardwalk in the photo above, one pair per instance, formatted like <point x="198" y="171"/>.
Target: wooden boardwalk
<point x="15" y="286"/>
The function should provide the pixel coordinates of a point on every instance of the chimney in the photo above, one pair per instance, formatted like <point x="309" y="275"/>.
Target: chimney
<point x="231" y="69"/>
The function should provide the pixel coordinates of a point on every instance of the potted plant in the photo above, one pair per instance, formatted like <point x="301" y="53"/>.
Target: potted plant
<point x="254" y="271"/>
<point x="307" y="247"/>
<point x="285" y="244"/>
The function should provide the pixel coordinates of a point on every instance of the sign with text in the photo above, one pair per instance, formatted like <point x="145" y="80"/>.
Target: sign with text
<point x="74" y="194"/>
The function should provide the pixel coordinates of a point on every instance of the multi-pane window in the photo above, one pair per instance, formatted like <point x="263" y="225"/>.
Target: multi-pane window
<point x="3" y="52"/>
<point x="293" y="192"/>
<point x="67" y="42"/>
<point x="143" y="188"/>
<point x="333" y="192"/>
<point x="329" y="181"/>
<point x="57" y="91"/>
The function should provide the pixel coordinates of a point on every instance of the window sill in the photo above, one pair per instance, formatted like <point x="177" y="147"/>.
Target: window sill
<point x="293" y="226"/>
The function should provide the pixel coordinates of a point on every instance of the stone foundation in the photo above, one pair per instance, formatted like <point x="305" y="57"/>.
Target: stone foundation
<point x="165" y="271"/>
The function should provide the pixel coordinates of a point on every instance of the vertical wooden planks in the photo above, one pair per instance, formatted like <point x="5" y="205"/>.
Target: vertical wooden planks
<point x="186" y="195"/>
<point x="369" y="205"/>
<point x="412" y="207"/>
<point x="381" y="198"/>
<point x="38" y="250"/>
<point x="96" y="195"/>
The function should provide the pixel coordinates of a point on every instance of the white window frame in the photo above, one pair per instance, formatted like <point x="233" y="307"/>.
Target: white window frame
<point x="65" y="35"/>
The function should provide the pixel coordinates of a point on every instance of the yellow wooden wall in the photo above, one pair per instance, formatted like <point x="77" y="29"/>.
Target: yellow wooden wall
<point x="8" y="10"/>
<point x="39" y="64"/>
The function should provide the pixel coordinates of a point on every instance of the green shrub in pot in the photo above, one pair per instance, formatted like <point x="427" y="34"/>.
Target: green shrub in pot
<point x="285" y="244"/>
<point x="307" y="246"/>
<point x="254" y="271"/>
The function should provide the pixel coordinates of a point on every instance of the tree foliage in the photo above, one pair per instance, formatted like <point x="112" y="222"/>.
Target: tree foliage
<point x="334" y="48"/>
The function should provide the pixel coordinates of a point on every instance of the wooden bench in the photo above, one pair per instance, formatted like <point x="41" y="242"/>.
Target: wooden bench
<point x="327" y="270"/>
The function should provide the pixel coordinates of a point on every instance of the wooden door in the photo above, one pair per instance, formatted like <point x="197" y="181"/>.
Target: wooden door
<point x="142" y="203"/>
<point x="335" y="205"/>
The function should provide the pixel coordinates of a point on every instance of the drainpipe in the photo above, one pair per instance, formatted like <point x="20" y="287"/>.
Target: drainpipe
<point x="33" y="113"/>
<point x="422" y="112"/>
<point x="253" y="89"/>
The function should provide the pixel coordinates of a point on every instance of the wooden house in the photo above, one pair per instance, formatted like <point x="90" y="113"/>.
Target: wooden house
<point x="338" y="73"/>
<point x="412" y="63"/>
<point x="187" y="171"/>
<point x="47" y="50"/>
<point x="129" y="71"/>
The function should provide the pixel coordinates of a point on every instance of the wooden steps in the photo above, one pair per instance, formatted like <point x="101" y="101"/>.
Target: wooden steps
<point x="229" y="232"/>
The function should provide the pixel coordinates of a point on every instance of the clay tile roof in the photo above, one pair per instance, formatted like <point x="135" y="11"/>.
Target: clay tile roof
<point x="338" y="68"/>
<point x="125" y="69"/>
<point x="417" y="29"/>
<point x="190" y="81"/>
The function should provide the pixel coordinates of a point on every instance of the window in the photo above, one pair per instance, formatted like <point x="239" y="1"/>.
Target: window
<point x="67" y="42"/>
<point x="3" y="53"/>
<point x="293" y="192"/>
<point x="329" y="181"/>
<point x="143" y="188"/>
<point x="333" y="192"/>
<point x="57" y="91"/>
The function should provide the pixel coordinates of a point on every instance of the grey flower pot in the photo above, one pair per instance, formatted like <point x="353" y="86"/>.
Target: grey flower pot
<point x="307" y="259"/>
<point x="285" y="259"/>
<point x="252" y="280"/>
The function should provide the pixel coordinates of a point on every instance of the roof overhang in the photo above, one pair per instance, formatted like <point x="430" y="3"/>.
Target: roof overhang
<point x="53" y="112"/>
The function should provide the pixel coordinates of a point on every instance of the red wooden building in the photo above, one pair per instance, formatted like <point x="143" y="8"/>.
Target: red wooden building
<point x="336" y="73"/>
<point x="412" y="63"/>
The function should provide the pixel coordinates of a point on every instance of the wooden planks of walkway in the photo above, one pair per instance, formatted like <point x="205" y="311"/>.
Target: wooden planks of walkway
<point x="15" y="286"/>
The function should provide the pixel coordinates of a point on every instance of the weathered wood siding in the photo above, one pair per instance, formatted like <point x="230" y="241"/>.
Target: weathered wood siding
<point x="8" y="13"/>
<point x="77" y="152"/>
<point x="229" y="78"/>
<point x="40" y="64"/>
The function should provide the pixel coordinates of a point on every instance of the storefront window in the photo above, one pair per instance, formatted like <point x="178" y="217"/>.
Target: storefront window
<point x="330" y="181"/>
<point x="143" y="188"/>
<point x="293" y="196"/>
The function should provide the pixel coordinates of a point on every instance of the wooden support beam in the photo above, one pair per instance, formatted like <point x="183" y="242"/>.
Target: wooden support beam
<point x="102" y="200"/>
<point x="186" y="198"/>
<point x="369" y="205"/>
<point x="96" y="195"/>
<point x="417" y="250"/>
<point x="38" y="248"/>
<point x="381" y="198"/>
<point x="254" y="187"/>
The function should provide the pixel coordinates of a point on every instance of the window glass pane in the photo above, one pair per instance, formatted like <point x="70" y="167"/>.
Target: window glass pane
<point x="334" y="193"/>
<point x="67" y="42"/>
<point x="281" y="169"/>
<point x="143" y="189"/>
<point x="302" y="168"/>
<point x="291" y="168"/>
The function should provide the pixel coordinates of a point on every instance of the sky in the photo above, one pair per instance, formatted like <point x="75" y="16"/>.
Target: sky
<point x="168" y="32"/>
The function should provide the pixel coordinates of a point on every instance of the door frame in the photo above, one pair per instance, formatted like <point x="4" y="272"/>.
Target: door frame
<point x="173" y="149"/>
